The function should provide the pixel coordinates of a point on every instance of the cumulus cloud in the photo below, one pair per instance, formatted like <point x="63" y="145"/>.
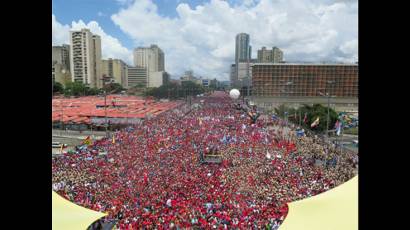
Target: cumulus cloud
<point x="203" y="38"/>
<point x="111" y="46"/>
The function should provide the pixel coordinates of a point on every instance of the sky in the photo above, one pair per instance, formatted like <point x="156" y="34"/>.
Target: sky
<point x="199" y="35"/>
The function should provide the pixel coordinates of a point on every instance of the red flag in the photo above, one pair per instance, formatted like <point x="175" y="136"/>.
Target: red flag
<point x="305" y="118"/>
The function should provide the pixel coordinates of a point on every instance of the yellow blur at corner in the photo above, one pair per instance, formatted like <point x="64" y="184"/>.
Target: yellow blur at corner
<point x="69" y="216"/>
<point x="336" y="209"/>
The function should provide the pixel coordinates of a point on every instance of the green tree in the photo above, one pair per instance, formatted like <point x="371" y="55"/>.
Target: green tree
<point x="58" y="87"/>
<point x="113" y="88"/>
<point x="75" y="89"/>
<point x="315" y="111"/>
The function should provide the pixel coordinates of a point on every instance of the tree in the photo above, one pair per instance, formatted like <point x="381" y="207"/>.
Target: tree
<point x="75" y="89"/>
<point x="113" y="88"/>
<point x="174" y="91"/>
<point x="58" y="87"/>
<point x="312" y="112"/>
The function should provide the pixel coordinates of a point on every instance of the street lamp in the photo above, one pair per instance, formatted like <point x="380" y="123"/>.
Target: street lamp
<point x="328" y="110"/>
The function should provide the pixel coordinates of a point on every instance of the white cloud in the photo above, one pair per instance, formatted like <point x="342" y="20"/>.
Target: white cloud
<point x="111" y="46"/>
<point x="59" y="32"/>
<point x="203" y="38"/>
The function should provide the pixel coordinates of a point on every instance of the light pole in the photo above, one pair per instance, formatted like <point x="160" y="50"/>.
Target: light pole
<point x="327" y="94"/>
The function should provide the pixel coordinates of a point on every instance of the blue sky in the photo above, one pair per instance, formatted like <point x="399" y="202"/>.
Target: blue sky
<point x="199" y="35"/>
<point x="101" y="10"/>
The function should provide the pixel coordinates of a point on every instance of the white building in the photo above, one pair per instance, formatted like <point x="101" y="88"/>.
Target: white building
<point x="135" y="76"/>
<point x="158" y="78"/>
<point x="152" y="59"/>
<point x="85" y="58"/>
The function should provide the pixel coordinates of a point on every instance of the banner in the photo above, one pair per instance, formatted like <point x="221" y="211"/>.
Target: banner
<point x="101" y="120"/>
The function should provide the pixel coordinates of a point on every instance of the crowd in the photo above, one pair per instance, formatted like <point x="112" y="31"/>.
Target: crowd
<point x="153" y="176"/>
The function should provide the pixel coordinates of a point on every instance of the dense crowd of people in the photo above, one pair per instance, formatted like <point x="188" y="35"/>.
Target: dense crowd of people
<point x="154" y="176"/>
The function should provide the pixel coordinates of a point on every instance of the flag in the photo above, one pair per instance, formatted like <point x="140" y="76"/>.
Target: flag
<point x="338" y="127"/>
<point x="87" y="141"/>
<point x="315" y="123"/>
<point x="113" y="139"/>
<point x="305" y="118"/>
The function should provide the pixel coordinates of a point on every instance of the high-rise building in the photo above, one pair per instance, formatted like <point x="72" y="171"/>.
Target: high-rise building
<point x="116" y="69"/>
<point x="243" y="55"/>
<point x="270" y="56"/>
<point x="135" y="76"/>
<point x="61" y="55"/>
<point x="233" y="78"/>
<point x="151" y="58"/>
<point x="242" y="48"/>
<point x="277" y="55"/>
<point x="60" y="66"/>
<point x="85" y="58"/>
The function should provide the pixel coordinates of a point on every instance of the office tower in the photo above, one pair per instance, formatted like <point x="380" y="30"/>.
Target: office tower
<point x="152" y="58"/>
<point x="116" y="69"/>
<point x="270" y="56"/>
<point x="60" y="67"/>
<point x="277" y="55"/>
<point x="85" y="58"/>
<point x="61" y="55"/>
<point x="233" y="78"/>
<point x="135" y="76"/>
<point x="243" y="55"/>
<point x="242" y="48"/>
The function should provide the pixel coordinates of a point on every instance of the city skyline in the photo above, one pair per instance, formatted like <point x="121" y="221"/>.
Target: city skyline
<point x="311" y="31"/>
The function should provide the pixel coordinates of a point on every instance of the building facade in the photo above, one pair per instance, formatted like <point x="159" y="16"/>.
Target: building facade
<point x="302" y="83"/>
<point x="136" y="76"/>
<point x="305" y="80"/>
<point x="61" y="55"/>
<point x="242" y="48"/>
<point x="117" y="70"/>
<point x="243" y="57"/>
<point x="60" y="67"/>
<point x="152" y="59"/>
<point x="275" y="55"/>
<point x="158" y="78"/>
<point x="85" y="58"/>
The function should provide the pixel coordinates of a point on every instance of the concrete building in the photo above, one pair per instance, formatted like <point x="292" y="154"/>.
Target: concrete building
<point x="188" y="76"/>
<point x="60" y="74"/>
<point x="296" y="84"/>
<point x="243" y="49"/>
<point x="60" y="66"/>
<point x="117" y="70"/>
<point x="85" y="58"/>
<point x="152" y="59"/>
<point x="135" y="76"/>
<point x="233" y="78"/>
<point x="158" y="78"/>
<point x="243" y="57"/>
<point x="205" y="82"/>
<point x="61" y="55"/>
<point x="244" y="74"/>
<point x="275" y="55"/>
